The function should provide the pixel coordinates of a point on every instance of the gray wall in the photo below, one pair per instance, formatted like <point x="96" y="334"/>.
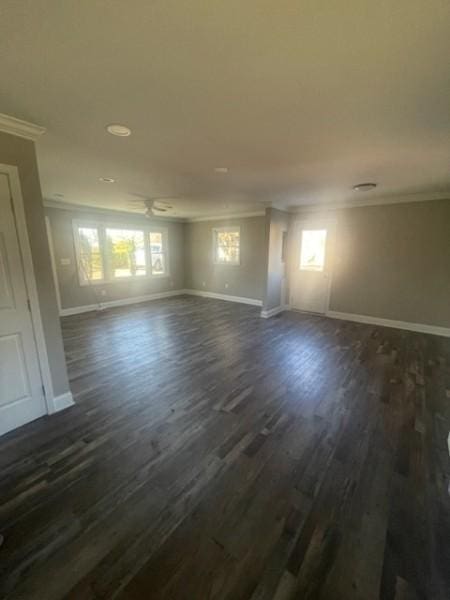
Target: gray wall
<point x="21" y="153"/>
<point x="393" y="261"/>
<point x="246" y="280"/>
<point x="73" y="294"/>
<point x="388" y="261"/>
<point x="277" y="221"/>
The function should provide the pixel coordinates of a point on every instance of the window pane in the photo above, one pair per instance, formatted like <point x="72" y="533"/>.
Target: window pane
<point x="126" y="252"/>
<point x="156" y="241"/>
<point x="158" y="266"/>
<point x="227" y="247"/>
<point x="228" y="254"/>
<point x="91" y="263"/>
<point x="312" y="254"/>
<point x="228" y="238"/>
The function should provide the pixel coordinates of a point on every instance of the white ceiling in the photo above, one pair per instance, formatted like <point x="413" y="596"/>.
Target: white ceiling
<point x="299" y="99"/>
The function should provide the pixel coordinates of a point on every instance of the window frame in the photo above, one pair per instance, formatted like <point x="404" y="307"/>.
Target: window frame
<point x="165" y="250"/>
<point x="101" y="227"/>
<point x="215" y="232"/>
<point x="76" y="238"/>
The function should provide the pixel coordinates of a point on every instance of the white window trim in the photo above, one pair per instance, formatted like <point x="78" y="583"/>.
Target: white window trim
<point x="102" y="226"/>
<point x="217" y="230"/>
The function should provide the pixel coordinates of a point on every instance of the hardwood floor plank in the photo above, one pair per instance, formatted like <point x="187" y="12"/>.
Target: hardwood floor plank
<point x="212" y="454"/>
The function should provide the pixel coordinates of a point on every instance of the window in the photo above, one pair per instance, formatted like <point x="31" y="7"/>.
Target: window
<point x="90" y="259"/>
<point x="126" y="252"/>
<point x="227" y="245"/>
<point x="108" y="253"/>
<point x="157" y="253"/>
<point x="312" y="253"/>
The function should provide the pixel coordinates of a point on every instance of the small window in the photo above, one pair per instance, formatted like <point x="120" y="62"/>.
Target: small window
<point x="227" y="244"/>
<point x="158" y="253"/>
<point x="312" y="254"/>
<point x="89" y="254"/>
<point x="126" y="253"/>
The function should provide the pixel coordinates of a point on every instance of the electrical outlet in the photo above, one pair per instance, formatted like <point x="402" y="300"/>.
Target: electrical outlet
<point x="204" y="283"/>
<point x="226" y="285"/>
<point x="103" y="292"/>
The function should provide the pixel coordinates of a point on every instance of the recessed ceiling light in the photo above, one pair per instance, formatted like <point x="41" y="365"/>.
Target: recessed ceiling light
<point x="364" y="187"/>
<point x="117" y="129"/>
<point x="221" y="169"/>
<point x="107" y="179"/>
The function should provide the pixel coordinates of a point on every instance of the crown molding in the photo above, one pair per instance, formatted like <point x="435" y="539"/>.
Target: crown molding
<point x="243" y="215"/>
<point x="377" y="201"/>
<point x="48" y="203"/>
<point x="68" y="206"/>
<point x="20" y="128"/>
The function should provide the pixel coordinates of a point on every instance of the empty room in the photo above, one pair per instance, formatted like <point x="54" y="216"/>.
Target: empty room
<point x="224" y="300"/>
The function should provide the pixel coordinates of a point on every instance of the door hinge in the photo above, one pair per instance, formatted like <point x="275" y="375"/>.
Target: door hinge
<point x="11" y="201"/>
<point x="43" y="391"/>
<point x="29" y="304"/>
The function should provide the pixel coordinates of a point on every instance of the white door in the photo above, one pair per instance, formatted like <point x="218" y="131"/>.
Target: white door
<point x="21" y="392"/>
<point x="310" y="280"/>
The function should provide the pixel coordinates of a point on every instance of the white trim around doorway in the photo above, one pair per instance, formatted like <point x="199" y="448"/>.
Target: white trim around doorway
<point x="12" y="173"/>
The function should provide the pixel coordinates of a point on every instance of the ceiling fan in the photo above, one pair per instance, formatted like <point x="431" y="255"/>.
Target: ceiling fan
<point x="157" y="206"/>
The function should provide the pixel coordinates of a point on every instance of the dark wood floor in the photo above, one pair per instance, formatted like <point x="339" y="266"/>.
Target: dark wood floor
<point x="215" y="454"/>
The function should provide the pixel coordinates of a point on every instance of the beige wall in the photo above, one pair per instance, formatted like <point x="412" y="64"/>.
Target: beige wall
<point x="246" y="280"/>
<point x="389" y="261"/>
<point x="393" y="261"/>
<point x="277" y="221"/>
<point x="21" y="153"/>
<point x="73" y="294"/>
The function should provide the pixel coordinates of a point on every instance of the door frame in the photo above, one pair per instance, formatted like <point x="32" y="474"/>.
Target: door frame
<point x="314" y="222"/>
<point x="53" y="261"/>
<point x="12" y="174"/>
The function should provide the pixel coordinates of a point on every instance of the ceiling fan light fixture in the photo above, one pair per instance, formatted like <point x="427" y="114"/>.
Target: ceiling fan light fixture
<point x="118" y="129"/>
<point x="364" y="187"/>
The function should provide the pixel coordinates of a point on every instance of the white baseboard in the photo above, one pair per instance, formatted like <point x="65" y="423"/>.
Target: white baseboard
<point x="266" y="314"/>
<point x="61" y="402"/>
<point x="240" y="299"/>
<point x="76" y="310"/>
<point x="418" y="327"/>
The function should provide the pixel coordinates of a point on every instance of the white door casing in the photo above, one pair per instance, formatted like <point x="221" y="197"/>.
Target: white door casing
<point x="22" y="396"/>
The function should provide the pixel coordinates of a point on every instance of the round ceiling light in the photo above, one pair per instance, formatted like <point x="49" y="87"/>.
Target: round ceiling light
<point x="117" y="129"/>
<point x="107" y="179"/>
<point x="221" y="169"/>
<point x="364" y="187"/>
